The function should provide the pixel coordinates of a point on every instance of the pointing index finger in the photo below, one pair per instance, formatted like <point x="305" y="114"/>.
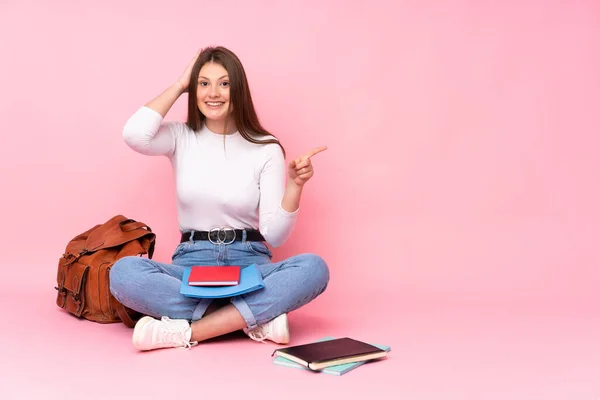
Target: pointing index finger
<point x="315" y="151"/>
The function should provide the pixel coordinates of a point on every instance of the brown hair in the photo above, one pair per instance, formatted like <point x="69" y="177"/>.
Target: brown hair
<point x="244" y="115"/>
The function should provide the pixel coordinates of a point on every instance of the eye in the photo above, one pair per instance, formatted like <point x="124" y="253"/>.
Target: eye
<point x="204" y="84"/>
<point x="225" y="84"/>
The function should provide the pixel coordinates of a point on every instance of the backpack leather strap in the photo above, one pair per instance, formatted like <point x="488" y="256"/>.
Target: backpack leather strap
<point x="124" y="315"/>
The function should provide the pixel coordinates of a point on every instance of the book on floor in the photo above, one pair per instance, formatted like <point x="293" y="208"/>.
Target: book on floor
<point x="337" y="370"/>
<point x="328" y="353"/>
<point x="214" y="275"/>
<point x="250" y="280"/>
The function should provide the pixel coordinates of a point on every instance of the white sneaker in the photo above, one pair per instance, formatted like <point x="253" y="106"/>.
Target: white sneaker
<point x="150" y="333"/>
<point x="277" y="330"/>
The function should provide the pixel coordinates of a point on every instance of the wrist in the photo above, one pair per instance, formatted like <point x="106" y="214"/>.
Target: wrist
<point x="294" y="186"/>
<point x="291" y="197"/>
<point x="179" y="87"/>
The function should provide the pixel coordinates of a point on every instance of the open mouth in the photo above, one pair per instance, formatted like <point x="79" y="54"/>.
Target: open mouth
<point x="214" y="104"/>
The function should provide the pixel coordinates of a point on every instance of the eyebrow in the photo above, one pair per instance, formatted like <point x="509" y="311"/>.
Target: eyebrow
<point x="203" y="77"/>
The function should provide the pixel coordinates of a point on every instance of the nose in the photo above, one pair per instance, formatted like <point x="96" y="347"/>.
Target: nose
<point x="214" y="91"/>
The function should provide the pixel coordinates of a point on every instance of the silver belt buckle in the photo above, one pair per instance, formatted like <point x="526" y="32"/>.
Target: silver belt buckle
<point x="221" y="230"/>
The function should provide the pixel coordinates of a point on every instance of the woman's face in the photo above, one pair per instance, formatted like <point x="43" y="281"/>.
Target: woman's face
<point x="213" y="92"/>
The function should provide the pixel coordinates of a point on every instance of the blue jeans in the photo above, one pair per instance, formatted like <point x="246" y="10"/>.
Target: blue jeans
<point x="152" y="288"/>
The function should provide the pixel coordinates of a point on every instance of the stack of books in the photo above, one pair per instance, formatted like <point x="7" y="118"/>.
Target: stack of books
<point x="330" y="355"/>
<point x="217" y="281"/>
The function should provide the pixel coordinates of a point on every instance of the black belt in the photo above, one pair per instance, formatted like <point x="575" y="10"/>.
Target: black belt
<point x="223" y="236"/>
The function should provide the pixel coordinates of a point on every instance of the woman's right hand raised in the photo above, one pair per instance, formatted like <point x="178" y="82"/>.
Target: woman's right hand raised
<point x="184" y="79"/>
<point x="164" y="101"/>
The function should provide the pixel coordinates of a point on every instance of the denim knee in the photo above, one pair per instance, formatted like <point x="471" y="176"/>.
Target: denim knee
<point x="121" y="273"/>
<point x="318" y="271"/>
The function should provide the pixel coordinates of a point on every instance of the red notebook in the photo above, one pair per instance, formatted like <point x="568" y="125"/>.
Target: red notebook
<point x="214" y="275"/>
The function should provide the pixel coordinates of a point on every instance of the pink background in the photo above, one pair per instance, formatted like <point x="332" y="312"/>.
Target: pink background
<point x="457" y="204"/>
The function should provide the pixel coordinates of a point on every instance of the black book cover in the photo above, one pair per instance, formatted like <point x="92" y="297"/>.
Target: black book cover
<point x="330" y="350"/>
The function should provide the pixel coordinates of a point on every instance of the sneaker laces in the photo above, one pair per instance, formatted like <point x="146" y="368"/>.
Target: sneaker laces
<point x="173" y="334"/>
<point x="259" y="334"/>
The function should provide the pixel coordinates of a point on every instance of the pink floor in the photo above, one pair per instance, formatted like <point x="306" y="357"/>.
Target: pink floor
<point x="439" y="351"/>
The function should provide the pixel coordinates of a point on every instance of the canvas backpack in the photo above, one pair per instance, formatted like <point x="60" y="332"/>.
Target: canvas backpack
<point x="84" y="268"/>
